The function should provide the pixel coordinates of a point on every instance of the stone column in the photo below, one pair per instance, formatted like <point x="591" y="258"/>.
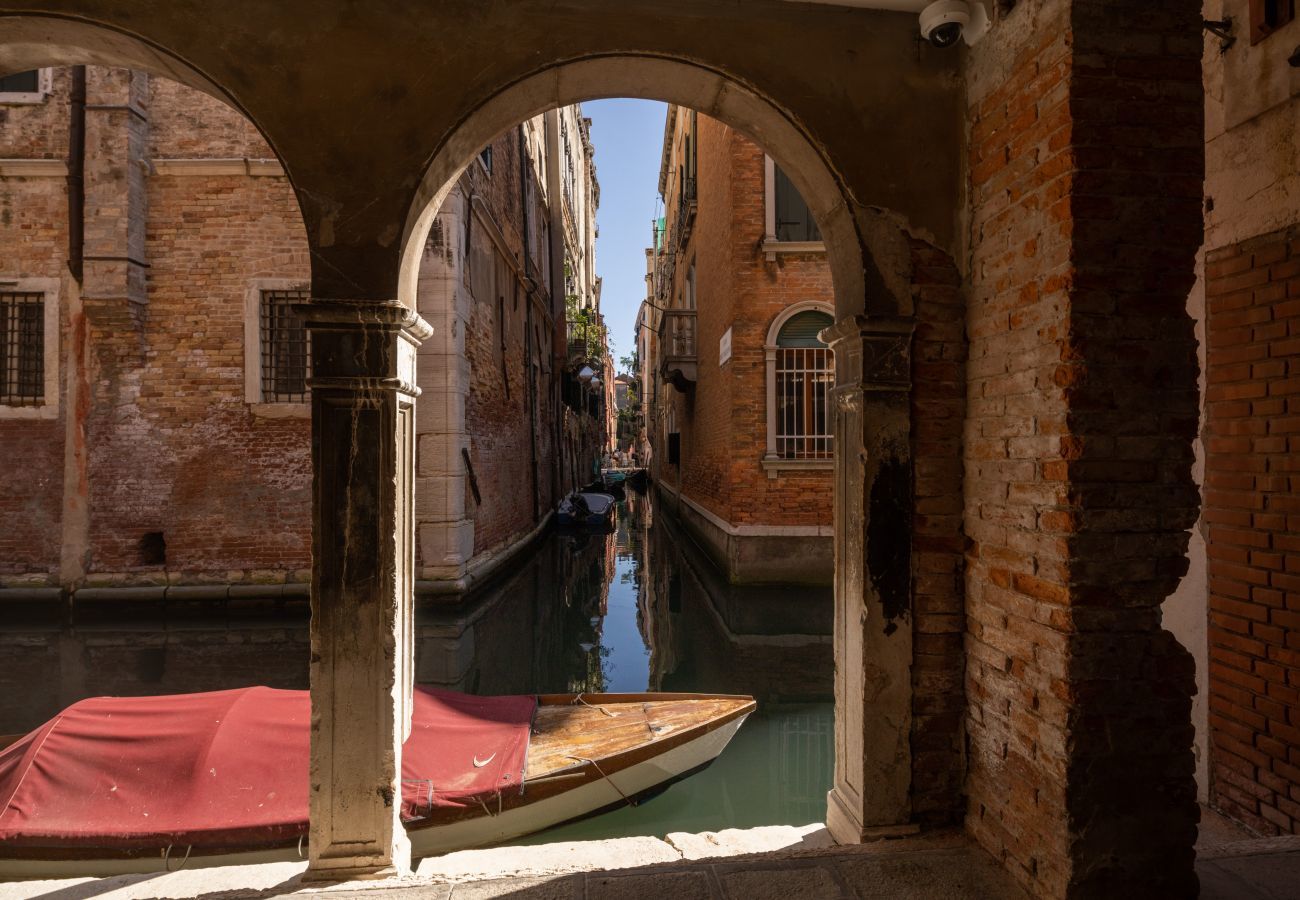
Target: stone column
<point x="871" y="796"/>
<point x="362" y="393"/>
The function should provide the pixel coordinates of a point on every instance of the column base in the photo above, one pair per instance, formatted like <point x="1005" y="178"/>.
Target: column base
<point x="362" y="867"/>
<point x="846" y="828"/>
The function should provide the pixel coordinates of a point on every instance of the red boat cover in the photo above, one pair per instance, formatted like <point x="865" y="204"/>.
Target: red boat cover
<point x="229" y="768"/>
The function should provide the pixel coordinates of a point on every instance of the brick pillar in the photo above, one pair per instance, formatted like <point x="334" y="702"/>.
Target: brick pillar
<point x="1086" y="150"/>
<point x="363" y="395"/>
<point x="871" y="796"/>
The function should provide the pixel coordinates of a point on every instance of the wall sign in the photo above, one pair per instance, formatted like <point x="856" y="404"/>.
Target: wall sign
<point x="724" y="347"/>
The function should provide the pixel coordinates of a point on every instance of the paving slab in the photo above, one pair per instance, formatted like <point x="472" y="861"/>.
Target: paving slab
<point x="792" y="881"/>
<point x="548" y="859"/>
<point x="739" y="841"/>
<point x="567" y="888"/>
<point x="963" y="874"/>
<point x="675" y="885"/>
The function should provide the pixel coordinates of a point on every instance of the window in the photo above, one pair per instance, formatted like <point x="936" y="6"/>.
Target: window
<point x="25" y="87"/>
<point x="800" y="375"/>
<point x="794" y="221"/>
<point x="485" y="159"/>
<point x="277" y="349"/>
<point x="285" y="348"/>
<point x="1267" y="16"/>
<point x="28" y="82"/>
<point x="22" y="349"/>
<point x="790" y="223"/>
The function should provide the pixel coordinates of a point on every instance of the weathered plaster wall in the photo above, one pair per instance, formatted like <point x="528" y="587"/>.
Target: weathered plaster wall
<point x="1252" y="200"/>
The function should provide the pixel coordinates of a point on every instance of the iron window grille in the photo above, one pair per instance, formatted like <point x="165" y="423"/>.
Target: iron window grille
<point x="22" y="349"/>
<point x="805" y="375"/>
<point x="286" y="348"/>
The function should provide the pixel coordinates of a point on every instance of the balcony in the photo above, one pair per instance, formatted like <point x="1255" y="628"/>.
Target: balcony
<point x="680" y="362"/>
<point x="686" y="209"/>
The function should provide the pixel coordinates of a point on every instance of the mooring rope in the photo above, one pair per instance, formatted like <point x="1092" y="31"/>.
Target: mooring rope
<point x="167" y="853"/>
<point x="626" y="798"/>
<point x="578" y="699"/>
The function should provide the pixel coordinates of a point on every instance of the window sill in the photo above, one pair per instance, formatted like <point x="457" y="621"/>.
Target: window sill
<point x="25" y="98"/>
<point x="775" y="466"/>
<point x="280" y="410"/>
<point x="44" y="411"/>
<point x="772" y="248"/>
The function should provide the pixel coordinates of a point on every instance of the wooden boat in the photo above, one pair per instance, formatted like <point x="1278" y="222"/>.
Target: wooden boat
<point x="81" y="803"/>
<point x="586" y="508"/>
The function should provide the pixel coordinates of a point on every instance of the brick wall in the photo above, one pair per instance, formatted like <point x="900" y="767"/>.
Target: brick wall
<point x="33" y="231"/>
<point x="1085" y="167"/>
<point x="172" y="446"/>
<point x="723" y="419"/>
<point x="1252" y="515"/>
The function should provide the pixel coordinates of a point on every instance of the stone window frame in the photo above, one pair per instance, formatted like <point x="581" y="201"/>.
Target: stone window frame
<point x="44" y="87"/>
<point x="772" y="246"/>
<point x="773" y="463"/>
<point x="268" y="409"/>
<point x="50" y="288"/>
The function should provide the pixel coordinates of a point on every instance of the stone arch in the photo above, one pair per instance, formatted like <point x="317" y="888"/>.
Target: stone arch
<point x="685" y="84"/>
<point x="34" y="42"/>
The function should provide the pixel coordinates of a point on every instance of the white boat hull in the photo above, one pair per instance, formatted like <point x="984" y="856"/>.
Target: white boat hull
<point x="465" y="834"/>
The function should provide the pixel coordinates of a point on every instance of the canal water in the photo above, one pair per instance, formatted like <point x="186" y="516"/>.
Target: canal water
<point x="640" y="609"/>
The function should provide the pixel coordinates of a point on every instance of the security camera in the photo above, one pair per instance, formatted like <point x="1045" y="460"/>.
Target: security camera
<point x="945" y="22"/>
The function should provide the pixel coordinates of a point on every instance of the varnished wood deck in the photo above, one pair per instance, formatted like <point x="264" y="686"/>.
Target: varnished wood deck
<point x="614" y="727"/>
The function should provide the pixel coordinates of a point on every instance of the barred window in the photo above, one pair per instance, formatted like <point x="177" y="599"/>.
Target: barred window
<point x="22" y="349"/>
<point x="286" y="348"/>
<point x="804" y="377"/>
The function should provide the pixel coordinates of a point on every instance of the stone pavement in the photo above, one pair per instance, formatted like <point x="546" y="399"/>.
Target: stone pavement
<point x="779" y="863"/>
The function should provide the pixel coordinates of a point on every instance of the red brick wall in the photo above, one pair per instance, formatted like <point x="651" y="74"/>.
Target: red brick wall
<point x="33" y="244"/>
<point x="723" y="419"/>
<point x="763" y="289"/>
<point x="1085" y="165"/>
<point x="1252" y="515"/>
<point x="172" y="444"/>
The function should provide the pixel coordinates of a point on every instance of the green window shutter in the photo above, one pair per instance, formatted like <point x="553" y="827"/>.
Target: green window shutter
<point x="802" y="329"/>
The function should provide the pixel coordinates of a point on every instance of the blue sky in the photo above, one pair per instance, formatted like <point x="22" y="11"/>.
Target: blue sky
<point x="628" y="136"/>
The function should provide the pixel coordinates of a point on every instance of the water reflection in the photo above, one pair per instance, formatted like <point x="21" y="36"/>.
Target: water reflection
<point x="639" y="609"/>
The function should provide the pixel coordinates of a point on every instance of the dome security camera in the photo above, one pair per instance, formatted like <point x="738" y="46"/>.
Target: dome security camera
<point x="944" y="21"/>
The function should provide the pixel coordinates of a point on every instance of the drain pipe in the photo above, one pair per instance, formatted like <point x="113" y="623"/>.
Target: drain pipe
<point x="75" y="520"/>
<point x="77" y="173"/>
<point x="551" y="130"/>
<point x="529" y="285"/>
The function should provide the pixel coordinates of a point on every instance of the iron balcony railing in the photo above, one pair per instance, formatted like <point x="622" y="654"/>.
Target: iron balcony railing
<point x="686" y="208"/>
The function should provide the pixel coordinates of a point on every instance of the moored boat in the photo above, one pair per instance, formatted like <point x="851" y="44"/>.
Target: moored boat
<point x="147" y="784"/>
<point x="586" y="508"/>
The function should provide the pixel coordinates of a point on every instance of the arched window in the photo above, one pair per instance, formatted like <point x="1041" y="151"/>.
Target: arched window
<point x="800" y="375"/>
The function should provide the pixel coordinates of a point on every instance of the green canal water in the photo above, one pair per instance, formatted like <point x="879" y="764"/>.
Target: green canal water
<point x="640" y="609"/>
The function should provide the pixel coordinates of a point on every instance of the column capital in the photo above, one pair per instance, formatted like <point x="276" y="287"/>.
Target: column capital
<point x="383" y="314"/>
<point x="871" y="353"/>
<point x="363" y="345"/>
